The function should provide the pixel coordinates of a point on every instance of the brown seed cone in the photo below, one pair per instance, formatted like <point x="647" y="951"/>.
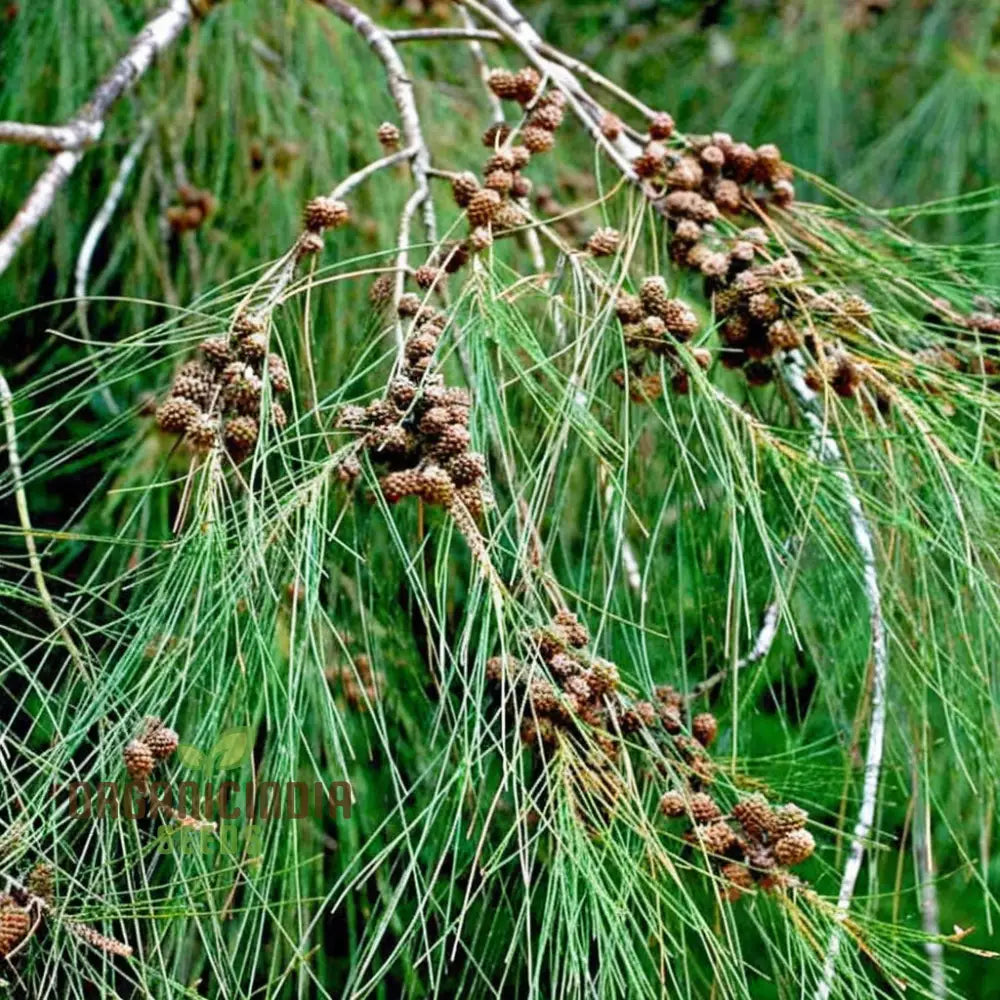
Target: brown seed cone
<point x="252" y="348"/>
<point x="526" y="84"/>
<point x="602" y="676"/>
<point x="768" y="163"/>
<point x="728" y="197"/>
<point x="436" y="486"/>
<point x="794" y="848"/>
<point x="453" y="441"/>
<point x="396" y="485"/>
<point x="680" y="319"/>
<point x="426" y="275"/>
<point x="755" y="816"/>
<point x="647" y="165"/>
<point x="325" y="213"/>
<point x="15" y="923"/>
<point x="347" y="470"/>
<point x="240" y="434"/>
<point x="661" y="126"/>
<point x="604" y="242"/>
<point x="537" y="140"/>
<point x="715" y="838"/>
<point x="751" y="283"/>
<point x="278" y="416"/>
<point x="714" y="264"/>
<point x="473" y="499"/>
<point x="705" y="728"/>
<point x="703" y="808"/>
<point x="162" y="742"/>
<point x="496" y="135"/>
<point x="483" y="207"/>
<point x="783" y="193"/>
<point x="575" y="631"/>
<point x="712" y="158"/>
<point x="741" y="256"/>
<point x="508" y="217"/>
<point x="196" y="387"/>
<point x="789" y="818"/>
<point x="463" y="188"/>
<point x="846" y="377"/>
<point x="249" y="322"/>
<point x="434" y="420"/>
<point x="690" y="205"/>
<point x="388" y="135"/>
<point x="402" y="391"/>
<point x="740" y="161"/>
<point x="763" y="308"/>
<point x="687" y="232"/>
<point x="408" y="305"/>
<point x="216" y="352"/>
<point x="726" y="301"/>
<point x="499" y="180"/>
<point x="177" y="414"/>
<point x="782" y="336"/>
<point x="685" y="175"/>
<point x="41" y="882"/>
<point x="548" y="117"/>
<point x="203" y="433"/>
<point x="673" y="805"/>
<point x="243" y="392"/>
<point x="480" y="239"/>
<point x="738" y="878"/>
<point x="654" y="296"/>
<point x="381" y="413"/>
<point x="467" y="468"/>
<point x="503" y="83"/>
<point x="629" y="308"/>
<point x="309" y="243"/>
<point x="139" y="760"/>
<point x="277" y="370"/>
<point x="611" y="126"/>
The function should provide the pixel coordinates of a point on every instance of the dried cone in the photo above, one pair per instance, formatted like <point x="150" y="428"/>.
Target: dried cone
<point x="538" y="140"/>
<point x="611" y="126"/>
<point x="426" y="275"/>
<point x="15" y="922"/>
<point x="715" y="838"/>
<point x="325" y="213"/>
<point x="672" y="805"/>
<point x="604" y="242"/>
<point x="703" y="808"/>
<point x="496" y="135"/>
<point x="794" y="848"/>
<point x="755" y="816"/>
<point x="241" y="434"/>
<point x="41" y="882"/>
<point x="526" y="84"/>
<point x="463" y="187"/>
<point x="705" y="728"/>
<point x="177" y="415"/>
<point x="483" y="207"/>
<point x="388" y="135"/>
<point x="139" y="760"/>
<point x="436" y="486"/>
<point x="216" y="351"/>
<point x="503" y="83"/>
<point x="162" y="742"/>
<point x="789" y="818"/>
<point x="381" y="290"/>
<point x="203" y="433"/>
<point x="661" y="126"/>
<point x="738" y="878"/>
<point x="548" y="117"/>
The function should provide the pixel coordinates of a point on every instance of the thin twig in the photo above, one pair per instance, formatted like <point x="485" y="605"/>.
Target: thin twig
<point x="479" y="57"/>
<point x="94" y="233"/>
<point x="21" y="502"/>
<point x="51" y="137"/>
<point x="468" y="33"/>
<point x="828" y="451"/>
<point x="158" y="33"/>
<point x="761" y="647"/>
<point x="401" y="91"/>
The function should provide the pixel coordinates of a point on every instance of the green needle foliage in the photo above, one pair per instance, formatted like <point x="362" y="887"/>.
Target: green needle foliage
<point x="703" y="513"/>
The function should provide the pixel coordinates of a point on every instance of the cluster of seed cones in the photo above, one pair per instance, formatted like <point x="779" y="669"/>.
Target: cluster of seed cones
<point x="711" y="175"/>
<point x="420" y="430"/>
<point x="359" y="683"/>
<point x="195" y="206"/>
<point x="754" y="845"/>
<point x="653" y="324"/>
<point x="156" y="743"/>
<point x="16" y="918"/>
<point x="217" y="400"/>
<point x="977" y="347"/>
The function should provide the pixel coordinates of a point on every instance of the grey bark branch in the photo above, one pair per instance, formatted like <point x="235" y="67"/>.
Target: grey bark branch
<point x="88" y="125"/>
<point x="50" y="137"/>
<point x="828" y="451"/>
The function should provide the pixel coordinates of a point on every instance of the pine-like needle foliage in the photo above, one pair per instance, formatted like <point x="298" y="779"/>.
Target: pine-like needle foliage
<point x="707" y="526"/>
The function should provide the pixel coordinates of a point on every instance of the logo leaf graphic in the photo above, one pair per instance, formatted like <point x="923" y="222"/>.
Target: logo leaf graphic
<point x="230" y="750"/>
<point x="190" y="756"/>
